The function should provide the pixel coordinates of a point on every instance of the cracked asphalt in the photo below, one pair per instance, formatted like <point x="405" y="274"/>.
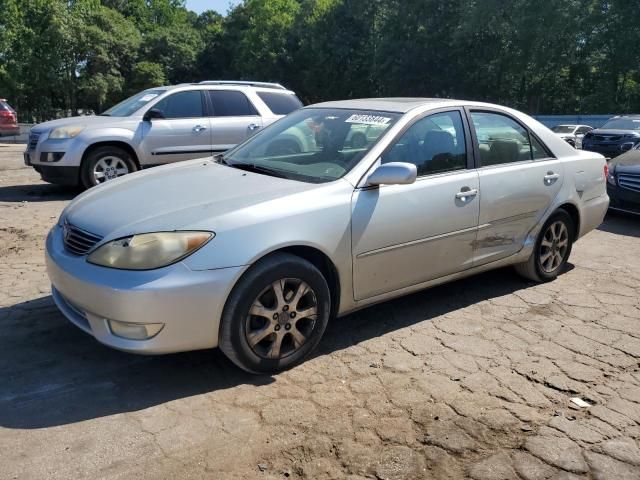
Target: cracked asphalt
<point x="468" y="380"/>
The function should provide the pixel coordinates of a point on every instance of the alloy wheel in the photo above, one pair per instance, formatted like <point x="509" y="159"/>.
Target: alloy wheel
<point x="281" y="318"/>
<point x="109" y="168"/>
<point x="554" y="246"/>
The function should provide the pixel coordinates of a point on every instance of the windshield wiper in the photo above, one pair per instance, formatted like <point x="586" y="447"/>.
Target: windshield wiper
<point x="252" y="167"/>
<point x="104" y="115"/>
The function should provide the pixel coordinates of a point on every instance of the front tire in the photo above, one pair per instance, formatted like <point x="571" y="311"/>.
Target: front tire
<point x="552" y="249"/>
<point x="275" y="315"/>
<point x="104" y="164"/>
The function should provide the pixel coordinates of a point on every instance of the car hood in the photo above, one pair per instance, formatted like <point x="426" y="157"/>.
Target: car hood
<point x="627" y="162"/>
<point x="189" y="195"/>
<point x="605" y="131"/>
<point x="87" y="121"/>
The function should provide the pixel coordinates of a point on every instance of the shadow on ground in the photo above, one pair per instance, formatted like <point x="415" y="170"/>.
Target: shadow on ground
<point x="54" y="374"/>
<point x="36" y="193"/>
<point x="621" y="224"/>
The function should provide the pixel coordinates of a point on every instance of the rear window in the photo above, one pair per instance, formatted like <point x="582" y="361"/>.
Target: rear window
<point x="280" y="103"/>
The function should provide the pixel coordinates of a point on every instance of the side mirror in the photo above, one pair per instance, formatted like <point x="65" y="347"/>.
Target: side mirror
<point x="394" y="173"/>
<point x="152" y="113"/>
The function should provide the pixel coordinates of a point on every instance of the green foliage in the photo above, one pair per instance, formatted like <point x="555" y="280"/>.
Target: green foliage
<point x="556" y="56"/>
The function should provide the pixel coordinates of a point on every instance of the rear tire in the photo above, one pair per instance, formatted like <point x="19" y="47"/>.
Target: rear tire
<point x="276" y="314"/>
<point x="104" y="164"/>
<point x="551" y="253"/>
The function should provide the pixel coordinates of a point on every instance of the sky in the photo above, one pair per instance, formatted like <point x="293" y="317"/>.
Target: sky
<point x="220" y="6"/>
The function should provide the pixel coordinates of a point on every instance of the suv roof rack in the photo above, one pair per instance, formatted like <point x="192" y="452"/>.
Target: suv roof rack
<point x="276" y="86"/>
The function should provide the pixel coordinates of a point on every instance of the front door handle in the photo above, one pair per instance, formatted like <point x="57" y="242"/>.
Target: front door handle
<point x="465" y="194"/>
<point x="551" y="177"/>
<point x="253" y="126"/>
<point x="199" y="128"/>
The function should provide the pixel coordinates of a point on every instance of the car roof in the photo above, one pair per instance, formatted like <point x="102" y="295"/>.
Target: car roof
<point x="392" y="104"/>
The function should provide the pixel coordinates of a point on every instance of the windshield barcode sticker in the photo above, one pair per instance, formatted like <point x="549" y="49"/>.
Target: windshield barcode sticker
<point x="368" y="119"/>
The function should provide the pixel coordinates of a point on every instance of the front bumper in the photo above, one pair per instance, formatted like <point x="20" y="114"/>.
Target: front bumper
<point x="56" y="160"/>
<point x="188" y="303"/>
<point x="623" y="200"/>
<point x="609" y="150"/>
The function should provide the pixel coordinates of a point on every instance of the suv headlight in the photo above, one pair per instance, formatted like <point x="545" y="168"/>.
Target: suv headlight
<point x="66" y="132"/>
<point x="149" y="250"/>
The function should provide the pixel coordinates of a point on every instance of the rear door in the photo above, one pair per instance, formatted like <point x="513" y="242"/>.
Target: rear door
<point x="183" y="134"/>
<point x="519" y="179"/>
<point x="234" y="118"/>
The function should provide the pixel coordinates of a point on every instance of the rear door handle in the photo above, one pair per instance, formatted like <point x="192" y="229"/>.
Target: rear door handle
<point x="199" y="128"/>
<point x="253" y="126"/>
<point x="465" y="194"/>
<point x="551" y="177"/>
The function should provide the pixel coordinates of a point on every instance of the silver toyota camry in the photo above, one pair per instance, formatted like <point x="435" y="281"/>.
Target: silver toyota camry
<point x="335" y="207"/>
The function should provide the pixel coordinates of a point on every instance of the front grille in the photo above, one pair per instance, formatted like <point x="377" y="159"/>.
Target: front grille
<point x="33" y="140"/>
<point x="77" y="241"/>
<point x="629" y="181"/>
<point x="607" y="138"/>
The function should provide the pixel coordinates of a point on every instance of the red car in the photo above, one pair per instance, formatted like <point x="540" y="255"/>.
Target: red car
<point x="8" y="119"/>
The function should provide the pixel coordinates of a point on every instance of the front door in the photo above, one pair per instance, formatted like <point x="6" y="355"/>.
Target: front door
<point x="183" y="134"/>
<point x="234" y="119"/>
<point x="403" y="235"/>
<point x="519" y="180"/>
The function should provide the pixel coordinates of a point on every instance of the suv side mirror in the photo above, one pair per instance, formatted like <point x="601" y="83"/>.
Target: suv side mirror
<point x="152" y="113"/>
<point x="393" y="173"/>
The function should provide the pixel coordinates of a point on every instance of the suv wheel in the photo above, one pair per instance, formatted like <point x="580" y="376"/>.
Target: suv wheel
<point x="552" y="249"/>
<point x="275" y="315"/>
<point x="104" y="164"/>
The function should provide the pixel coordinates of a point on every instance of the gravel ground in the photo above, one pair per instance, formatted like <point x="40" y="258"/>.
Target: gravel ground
<point x="468" y="380"/>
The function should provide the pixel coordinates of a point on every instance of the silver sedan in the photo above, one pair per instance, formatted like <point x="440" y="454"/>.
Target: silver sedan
<point x="255" y="250"/>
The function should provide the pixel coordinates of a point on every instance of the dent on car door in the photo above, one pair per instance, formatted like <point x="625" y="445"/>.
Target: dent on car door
<point x="234" y="119"/>
<point x="183" y="134"/>
<point x="403" y="235"/>
<point x="519" y="180"/>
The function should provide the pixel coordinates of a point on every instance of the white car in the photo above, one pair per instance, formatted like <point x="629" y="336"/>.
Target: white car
<point x="572" y="134"/>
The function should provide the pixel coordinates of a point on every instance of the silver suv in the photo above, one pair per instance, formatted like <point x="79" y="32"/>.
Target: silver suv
<point x="157" y="126"/>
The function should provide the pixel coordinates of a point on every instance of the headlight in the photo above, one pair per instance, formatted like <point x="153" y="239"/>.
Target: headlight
<point x="149" y="250"/>
<point x="66" y="132"/>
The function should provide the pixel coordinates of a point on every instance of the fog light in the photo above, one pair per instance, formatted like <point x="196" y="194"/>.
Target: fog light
<point x="51" y="156"/>
<point x="135" y="331"/>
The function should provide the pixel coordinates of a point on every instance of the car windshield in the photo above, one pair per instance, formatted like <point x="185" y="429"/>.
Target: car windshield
<point x="622" y="124"/>
<point x="563" y="128"/>
<point x="313" y="144"/>
<point x="133" y="104"/>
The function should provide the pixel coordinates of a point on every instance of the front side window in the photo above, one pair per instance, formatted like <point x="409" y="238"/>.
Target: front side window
<point x="133" y="104"/>
<point x="313" y="144"/>
<point x="181" y="105"/>
<point x="434" y="144"/>
<point x="231" y="103"/>
<point x="502" y="140"/>
<point x="280" y="103"/>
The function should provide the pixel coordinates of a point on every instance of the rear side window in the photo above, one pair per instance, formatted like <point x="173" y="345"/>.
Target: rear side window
<point x="182" y="105"/>
<point x="280" y="103"/>
<point x="231" y="103"/>
<point x="503" y="140"/>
